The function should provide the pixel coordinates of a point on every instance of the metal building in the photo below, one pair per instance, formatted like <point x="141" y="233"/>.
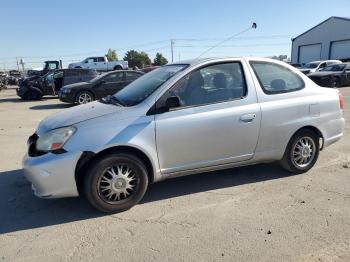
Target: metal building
<point x="327" y="40"/>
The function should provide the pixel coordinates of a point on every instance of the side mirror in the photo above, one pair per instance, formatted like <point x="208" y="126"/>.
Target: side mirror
<point x="172" y="102"/>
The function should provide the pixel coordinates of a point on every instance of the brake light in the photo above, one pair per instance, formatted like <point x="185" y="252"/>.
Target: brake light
<point x="341" y="100"/>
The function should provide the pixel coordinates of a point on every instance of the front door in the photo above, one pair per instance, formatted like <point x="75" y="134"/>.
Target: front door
<point x="113" y="83"/>
<point x="217" y="123"/>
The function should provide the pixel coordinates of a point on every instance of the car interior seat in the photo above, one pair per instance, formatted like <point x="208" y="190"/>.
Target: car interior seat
<point x="278" y="85"/>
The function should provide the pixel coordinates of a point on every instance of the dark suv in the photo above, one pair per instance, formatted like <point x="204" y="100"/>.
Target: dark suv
<point x="52" y="82"/>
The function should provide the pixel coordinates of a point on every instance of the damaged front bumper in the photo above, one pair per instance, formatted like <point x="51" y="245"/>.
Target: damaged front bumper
<point x="52" y="175"/>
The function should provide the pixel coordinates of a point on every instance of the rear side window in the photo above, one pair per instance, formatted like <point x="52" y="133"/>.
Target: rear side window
<point x="132" y="76"/>
<point x="275" y="79"/>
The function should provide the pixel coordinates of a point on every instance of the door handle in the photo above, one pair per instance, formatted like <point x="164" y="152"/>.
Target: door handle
<point x="247" y="118"/>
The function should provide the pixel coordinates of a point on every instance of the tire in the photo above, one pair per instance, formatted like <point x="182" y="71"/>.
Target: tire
<point x="32" y="95"/>
<point x="84" y="97"/>
<point x="295" y="150"/>
<point x="118" y="67"/>
<point x="104" y="195"/>
<point x="336" y="82"/>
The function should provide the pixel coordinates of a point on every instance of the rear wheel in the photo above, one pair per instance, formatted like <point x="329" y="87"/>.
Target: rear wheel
<point x="84" y="97"/>
<point x="116" y="182"/>
<point x="302" y="152"/>
<point x="118" y="67"/>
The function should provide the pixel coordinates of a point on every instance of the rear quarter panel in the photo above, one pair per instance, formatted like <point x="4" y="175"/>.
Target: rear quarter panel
<point x="284" y="114"/>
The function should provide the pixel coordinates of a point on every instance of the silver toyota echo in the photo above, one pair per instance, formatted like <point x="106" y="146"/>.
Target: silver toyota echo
<point x="183" y="118"/>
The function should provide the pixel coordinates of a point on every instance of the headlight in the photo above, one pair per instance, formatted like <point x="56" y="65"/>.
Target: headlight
<point x="55" y="139"/>
<point x="65" y="90"/>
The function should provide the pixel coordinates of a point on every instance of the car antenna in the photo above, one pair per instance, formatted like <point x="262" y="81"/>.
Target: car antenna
<point x="253" y="26"/>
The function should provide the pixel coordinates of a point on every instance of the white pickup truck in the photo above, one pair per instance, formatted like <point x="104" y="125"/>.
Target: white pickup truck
<point x="100" y="63"/>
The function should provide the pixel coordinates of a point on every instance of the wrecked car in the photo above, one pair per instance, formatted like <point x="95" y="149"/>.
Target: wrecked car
<point x="33" y="88"/>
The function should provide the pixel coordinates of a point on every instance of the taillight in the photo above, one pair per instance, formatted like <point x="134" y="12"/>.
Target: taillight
<point x="341" y="100"/>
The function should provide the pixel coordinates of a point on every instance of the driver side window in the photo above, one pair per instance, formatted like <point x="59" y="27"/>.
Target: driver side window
<point x="211" y="84"/>
<point x="112" y="78"/>
<point x="323" y="65"/>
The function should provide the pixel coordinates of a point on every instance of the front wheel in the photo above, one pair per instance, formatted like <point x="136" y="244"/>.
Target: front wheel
<point x="84" y="97"/>
<point x="116" y="182"/>
<point x="336" y="82"/>
<point x="302" y="152"/>
<point x="32" y="95"/>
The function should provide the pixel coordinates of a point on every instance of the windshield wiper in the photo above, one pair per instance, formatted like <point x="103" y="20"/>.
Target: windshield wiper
<point x="112" y="100"/>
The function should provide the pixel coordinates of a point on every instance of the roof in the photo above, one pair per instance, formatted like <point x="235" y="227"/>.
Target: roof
<point x="335" y="17"/>
<point x="195" y="61"/>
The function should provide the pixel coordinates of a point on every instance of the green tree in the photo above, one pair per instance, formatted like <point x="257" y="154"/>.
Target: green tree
<point x="137" y="59"/>
<point x="112" y="55"/>
<point x="159" y="60"/>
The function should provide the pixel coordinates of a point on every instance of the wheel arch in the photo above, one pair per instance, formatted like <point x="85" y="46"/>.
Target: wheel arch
<point x="87" y="158"/>
<point x="313" y="129"/>
<point x="118" y="67"/>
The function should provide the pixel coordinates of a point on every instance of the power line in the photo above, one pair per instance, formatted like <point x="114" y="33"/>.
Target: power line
<point x="90" y="52"/>
<point x="252" y="45"/>
<point x="147" y="44"/>
<point x="237" y="38"/>
<point x="229" y="38"/>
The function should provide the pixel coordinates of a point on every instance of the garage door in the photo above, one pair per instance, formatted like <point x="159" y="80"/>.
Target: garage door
<point x="340" y="50"/>
<point x="308" y="53"/>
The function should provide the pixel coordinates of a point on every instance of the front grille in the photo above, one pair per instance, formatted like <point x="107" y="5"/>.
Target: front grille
<point x="32" y="151"/>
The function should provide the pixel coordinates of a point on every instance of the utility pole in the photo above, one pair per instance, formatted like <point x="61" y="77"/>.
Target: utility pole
<point x="17" y="64"/>
<point x="172" y="49"/>
<point x="22" y="63"/>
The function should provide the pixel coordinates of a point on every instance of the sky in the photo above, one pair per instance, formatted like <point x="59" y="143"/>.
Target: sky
<point x="73" y="30"/>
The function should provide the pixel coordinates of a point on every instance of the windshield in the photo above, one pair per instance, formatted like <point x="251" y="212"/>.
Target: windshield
<point x="311" y="65"/>
<point x="334" y="68"/>
<point x="144" y="86"/>
<point x="97" y="78"/>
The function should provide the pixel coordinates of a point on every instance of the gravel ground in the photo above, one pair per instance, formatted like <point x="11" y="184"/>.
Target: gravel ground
<point x="256" y="213"/>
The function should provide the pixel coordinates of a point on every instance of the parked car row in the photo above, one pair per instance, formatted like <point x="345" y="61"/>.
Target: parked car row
<point x="335" y="75"/>
<point x="81" y="83"/>
<point x="180" y="119"/>
<point x="328" y="73"/>
<point x="315" y="66"/>
<point x="10" y="78"/>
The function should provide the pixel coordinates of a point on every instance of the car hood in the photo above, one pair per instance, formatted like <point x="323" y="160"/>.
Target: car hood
<point x="305" y="69"/>
<point x="76" y="115"/>
<point x="322" y="73"/>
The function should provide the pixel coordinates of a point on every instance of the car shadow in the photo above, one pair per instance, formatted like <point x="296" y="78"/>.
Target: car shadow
<point x="20" y="210"/>
<point x="19" y="100"/>
<point x="51" y="106"/>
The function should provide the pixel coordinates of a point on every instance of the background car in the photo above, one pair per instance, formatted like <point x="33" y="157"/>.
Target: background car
<point x="332" y="76"/>
<point x="100" y="63"/>
<point x="317" y="65"/>
<point x="105" y="84"/>
<point x="33" y="88"/>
